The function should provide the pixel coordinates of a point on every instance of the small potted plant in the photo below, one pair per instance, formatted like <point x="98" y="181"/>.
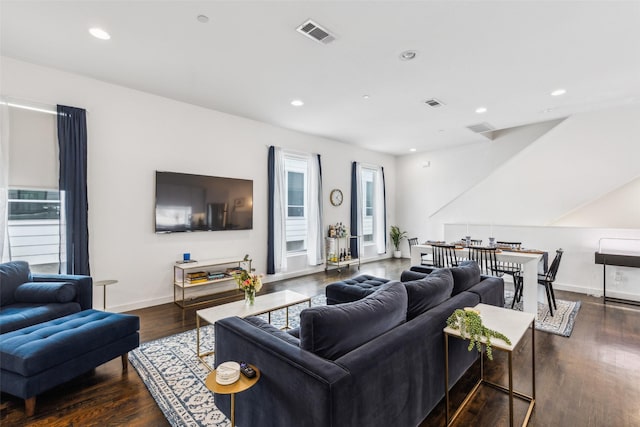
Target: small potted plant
<point x="396" y="237"/>
<point x="469" y="323"/>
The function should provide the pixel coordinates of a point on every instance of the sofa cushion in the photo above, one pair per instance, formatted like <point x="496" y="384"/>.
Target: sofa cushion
<point x="334" y="330"/>
<point x="272" y="330"/>
<point x="428" y="292"/>
<point x="35" y="349"/>
<point x="45" y="292"/>
<point x="20" y="315"/>
<point x="12" y="275"/>
<point x="409" y="275"/>
<point x="353" y="289"/>
<point x="465" y="276"/>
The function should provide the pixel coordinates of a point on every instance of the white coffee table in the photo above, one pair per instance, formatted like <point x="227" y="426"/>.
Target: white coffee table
<point x="263" y="304"/>
<point x="513" y="324"/>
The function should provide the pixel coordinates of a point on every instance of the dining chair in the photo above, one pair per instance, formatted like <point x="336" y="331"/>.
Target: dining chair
<point x="444" y="256"/>
<point x="545" y="280"/>
<point x="510" y="268"/>
<point x="510" y="245"/>
<point x="473" y="242"/>
<point x="425" y="259"/>
<point x="486" y="259"/>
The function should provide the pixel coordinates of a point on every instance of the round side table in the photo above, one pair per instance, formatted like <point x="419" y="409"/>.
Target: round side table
<point x="104" y="284"/>
<point x="242" y="384"/>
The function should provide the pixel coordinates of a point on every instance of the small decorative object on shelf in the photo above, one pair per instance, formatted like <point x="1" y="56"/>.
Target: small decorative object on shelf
<point x="250" y="283"/>
<point x="469" y="323"/>
<point x="338" y="230"/>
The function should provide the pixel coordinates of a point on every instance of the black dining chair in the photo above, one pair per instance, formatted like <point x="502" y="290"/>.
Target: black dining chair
<point x="510" y="268"/>
<point x="444" y="256"/>
<point x="473" y="242"/>
<point x="545" y="280"/>
<point x="486" y="259"/>
<point x="424" y="257"/>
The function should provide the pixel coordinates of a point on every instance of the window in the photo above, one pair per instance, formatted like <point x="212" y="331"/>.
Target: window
<point x="368" y="194"/>
<point x="296" y="222"/>
<point x="34" y="228"/>
<point x="35" y="213"/>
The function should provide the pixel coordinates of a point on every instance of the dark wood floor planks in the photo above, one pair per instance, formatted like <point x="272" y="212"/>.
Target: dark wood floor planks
<point x="590" y="379"/>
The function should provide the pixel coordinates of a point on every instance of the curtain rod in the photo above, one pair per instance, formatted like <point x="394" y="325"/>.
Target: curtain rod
<point x="29" y="105"/>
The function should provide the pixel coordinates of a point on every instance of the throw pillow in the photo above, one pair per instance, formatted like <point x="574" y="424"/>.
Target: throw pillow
<point x="45" y="292"/>
<point x="12" y="275"/>
<point x="465" y="276"/>
<point x="334" y="330"/>
<point x="428" y="292"/>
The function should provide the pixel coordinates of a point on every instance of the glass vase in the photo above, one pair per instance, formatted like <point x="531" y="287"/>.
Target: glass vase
<point x="249" y="296"/>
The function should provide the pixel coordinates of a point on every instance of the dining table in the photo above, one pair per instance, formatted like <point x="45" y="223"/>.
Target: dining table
<point x="529" y="259"/>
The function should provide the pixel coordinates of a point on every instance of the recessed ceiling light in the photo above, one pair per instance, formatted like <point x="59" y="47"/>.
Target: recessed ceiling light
<point x="481" y="110"/>
<point x="413" y="150"/>
<point x="99" y="33"/>
<point x="297" y="103"/>
<point x="408" y="55"/>
<point x="558" y="92"/>
<point x="203" y="19"/>
<point x="547" y="110"/>
<point x="365" y="96"/>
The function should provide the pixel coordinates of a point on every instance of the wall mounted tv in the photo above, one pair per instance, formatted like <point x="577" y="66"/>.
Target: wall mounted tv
<point x="186" y="202"/>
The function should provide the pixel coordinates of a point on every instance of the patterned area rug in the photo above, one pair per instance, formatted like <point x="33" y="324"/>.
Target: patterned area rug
<point x="175" y="376"/>
<point x="562" y="321"/>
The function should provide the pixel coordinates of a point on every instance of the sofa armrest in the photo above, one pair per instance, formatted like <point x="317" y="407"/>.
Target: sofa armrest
<point x="295" y="384"/>
<point x="490" y="290"/>
<point x="84" y="286"/>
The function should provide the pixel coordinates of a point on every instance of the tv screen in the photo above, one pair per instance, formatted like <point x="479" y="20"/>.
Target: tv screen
<point x="186" y="202"/>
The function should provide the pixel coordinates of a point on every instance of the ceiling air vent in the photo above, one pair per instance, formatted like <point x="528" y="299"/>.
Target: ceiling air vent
<point x="484" y="129"/>
<point x="315" y="32"/>
<point x="433" y="103"/>
<point x="481" y="127"/>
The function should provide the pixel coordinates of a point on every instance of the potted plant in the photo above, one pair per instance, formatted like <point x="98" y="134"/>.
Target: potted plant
<point x="469" y="323"/>
<point x="396" y="237"/>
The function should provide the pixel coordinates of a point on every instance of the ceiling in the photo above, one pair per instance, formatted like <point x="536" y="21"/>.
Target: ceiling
<point x="248" y="60"/>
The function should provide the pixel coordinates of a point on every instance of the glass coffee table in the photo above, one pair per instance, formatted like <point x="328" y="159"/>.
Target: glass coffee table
<point x="263" y="304"/>
<point x="513" y="324"/>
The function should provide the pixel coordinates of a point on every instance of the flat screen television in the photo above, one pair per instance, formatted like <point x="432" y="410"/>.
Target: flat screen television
<point x="186" y="202"/>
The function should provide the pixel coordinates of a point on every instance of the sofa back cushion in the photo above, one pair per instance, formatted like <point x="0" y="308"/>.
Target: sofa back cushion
<point x="334" y="330"/>
<point x="427" y="292"/>
<point x="45" y="292"/>
<point x="12" y="275"/>
<point x="465" y="276"/>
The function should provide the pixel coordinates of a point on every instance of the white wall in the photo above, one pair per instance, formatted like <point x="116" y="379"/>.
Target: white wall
<point x="579" y="173"/>
<point x="131" y="135"/>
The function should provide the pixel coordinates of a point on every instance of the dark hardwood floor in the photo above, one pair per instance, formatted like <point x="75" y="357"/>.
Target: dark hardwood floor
<point x="589" y="379"/>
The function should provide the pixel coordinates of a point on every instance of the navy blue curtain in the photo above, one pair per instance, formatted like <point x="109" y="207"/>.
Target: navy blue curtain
<point x="384" y="200"/>
<point x="72" y="140"/>
<point x="354" y="210"/>
<point x="271" y="168"/>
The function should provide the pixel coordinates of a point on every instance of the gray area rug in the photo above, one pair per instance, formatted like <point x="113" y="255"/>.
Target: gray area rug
<point x="175" y="376"/>
<point x="562" y="321"/>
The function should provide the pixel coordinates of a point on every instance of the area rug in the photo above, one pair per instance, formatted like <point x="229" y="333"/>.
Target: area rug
<point x="562" y="321"/>
<point x="174" y="375"/>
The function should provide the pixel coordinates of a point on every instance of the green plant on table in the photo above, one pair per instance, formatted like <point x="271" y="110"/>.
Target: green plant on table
<point x="469" y="322"/>
<point x="396" y="236"/>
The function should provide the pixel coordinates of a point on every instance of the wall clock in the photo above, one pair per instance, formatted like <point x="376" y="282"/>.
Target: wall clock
<point x="336" y="197"/>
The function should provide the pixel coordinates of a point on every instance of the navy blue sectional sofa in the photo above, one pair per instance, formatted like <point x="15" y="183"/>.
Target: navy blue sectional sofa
<point x="375" y="361"/>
